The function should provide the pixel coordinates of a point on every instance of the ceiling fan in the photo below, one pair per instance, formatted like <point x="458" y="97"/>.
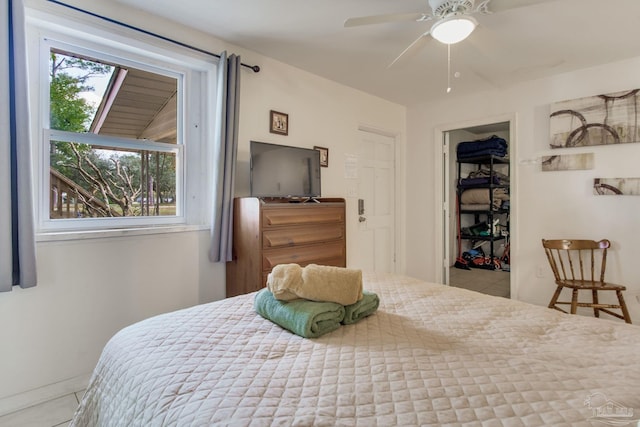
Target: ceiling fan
<point x="453" y="20"/>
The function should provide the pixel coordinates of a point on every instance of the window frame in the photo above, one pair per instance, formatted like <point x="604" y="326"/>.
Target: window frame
<point x="196" y="84"/>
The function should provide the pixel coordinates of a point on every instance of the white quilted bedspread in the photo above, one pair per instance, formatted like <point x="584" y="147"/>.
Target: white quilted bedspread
<point x="430" y="355"/>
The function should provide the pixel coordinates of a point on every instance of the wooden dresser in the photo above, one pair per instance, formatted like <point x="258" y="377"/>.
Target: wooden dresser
<point x="271" y="232"/>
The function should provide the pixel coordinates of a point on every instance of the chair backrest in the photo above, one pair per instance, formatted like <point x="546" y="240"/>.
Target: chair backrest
<point x="584" y="260"/>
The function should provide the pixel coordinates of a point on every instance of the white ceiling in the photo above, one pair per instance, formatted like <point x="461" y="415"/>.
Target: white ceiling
<point x="515" y="45"/>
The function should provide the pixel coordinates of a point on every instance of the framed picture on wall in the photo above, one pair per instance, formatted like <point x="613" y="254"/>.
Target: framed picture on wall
<point x="279" y="123"/>
<point x="606" y="119"/>
<point x="324" y="156"/>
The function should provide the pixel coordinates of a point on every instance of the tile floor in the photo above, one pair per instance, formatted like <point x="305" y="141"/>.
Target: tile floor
<point x="485" y="281"/>
<point x="52" y="413"/>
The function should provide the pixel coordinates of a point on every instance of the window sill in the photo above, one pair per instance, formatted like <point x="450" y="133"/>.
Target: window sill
<point x="56" y="236"/>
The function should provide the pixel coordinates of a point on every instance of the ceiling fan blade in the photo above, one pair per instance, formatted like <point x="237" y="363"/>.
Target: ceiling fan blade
<point x="381" y="19"/>
<point x="409" y="48"/>
<point x="501" y="5"/>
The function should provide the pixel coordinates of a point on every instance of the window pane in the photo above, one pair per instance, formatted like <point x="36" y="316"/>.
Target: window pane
<point x="89" y="95"/>
<point x="91" y="181"/>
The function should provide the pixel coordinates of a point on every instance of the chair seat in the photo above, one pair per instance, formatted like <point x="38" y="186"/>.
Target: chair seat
<point x="588" y="284"/>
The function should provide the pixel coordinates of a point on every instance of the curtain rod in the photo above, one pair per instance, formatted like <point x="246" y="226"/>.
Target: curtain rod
<point x="254" y="68"/>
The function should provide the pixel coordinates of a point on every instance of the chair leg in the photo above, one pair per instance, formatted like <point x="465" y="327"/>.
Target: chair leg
<point x="623" y="307"/>
<point x="554" y="298"/>
<point x="574" y="301"/>
<point x="596" y="311"/>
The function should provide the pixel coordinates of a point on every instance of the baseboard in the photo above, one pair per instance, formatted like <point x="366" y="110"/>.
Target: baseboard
<point x="42" y="394"/>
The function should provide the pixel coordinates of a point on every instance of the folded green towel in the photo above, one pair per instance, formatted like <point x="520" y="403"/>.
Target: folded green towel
<point x="308" y="319"/>
<point x="363" y="308"/>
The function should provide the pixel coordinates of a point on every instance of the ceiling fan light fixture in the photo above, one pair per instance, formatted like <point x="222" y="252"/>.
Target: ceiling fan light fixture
<point x="453" y="29"/>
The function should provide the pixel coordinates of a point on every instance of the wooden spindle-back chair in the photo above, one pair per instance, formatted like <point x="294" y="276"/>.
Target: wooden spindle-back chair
<point x="580" y="265"/>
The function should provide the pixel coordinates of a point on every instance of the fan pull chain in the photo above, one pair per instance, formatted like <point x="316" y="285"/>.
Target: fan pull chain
<point x="448" y="68"/>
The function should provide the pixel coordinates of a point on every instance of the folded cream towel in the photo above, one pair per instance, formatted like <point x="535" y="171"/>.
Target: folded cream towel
<point x="284" y="280"/>
<point x="316" y="283"/>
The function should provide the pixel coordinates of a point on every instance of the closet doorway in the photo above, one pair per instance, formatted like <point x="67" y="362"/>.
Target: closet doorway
<point x="477" y="232"/>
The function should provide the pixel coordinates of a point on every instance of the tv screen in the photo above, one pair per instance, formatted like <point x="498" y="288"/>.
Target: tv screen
<point x="284" y="171"/>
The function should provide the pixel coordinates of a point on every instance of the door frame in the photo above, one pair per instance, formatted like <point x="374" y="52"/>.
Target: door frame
<point x="441" y="175"/>
<point x="399" y="192"/>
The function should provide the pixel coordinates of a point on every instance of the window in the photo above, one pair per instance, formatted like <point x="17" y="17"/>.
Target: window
<point x="113" y="141"/>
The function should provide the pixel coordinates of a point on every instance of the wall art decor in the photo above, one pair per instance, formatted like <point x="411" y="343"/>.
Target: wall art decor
<point x="567" y="162"/>
<point x="279" y="123"/>
<point x="324" y="156"/>
<point x="616" y="186"/>
<point x="596" y="120"/>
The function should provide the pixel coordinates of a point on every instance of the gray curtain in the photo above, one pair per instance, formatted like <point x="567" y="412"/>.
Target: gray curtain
<point x="225" y="154"/>
<point x="17" y="243"/>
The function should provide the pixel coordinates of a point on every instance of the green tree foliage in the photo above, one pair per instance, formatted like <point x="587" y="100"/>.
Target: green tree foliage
<point x="68" y="110"/>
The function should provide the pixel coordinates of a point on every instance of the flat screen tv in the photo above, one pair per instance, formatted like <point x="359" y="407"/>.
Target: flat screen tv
<point x="284" y="171"/>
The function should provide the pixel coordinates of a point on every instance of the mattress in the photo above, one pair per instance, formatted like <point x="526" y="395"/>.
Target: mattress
<point x="430" y="355"/>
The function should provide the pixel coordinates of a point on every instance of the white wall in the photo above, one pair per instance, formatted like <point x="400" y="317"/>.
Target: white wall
<point x="547" y="204"/>
<point x="89" y="289"/>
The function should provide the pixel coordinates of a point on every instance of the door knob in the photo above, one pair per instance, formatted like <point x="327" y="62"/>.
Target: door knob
<point x="362" y="219"/>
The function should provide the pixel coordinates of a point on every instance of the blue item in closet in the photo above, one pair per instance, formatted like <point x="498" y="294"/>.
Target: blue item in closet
<point x="493" y="145"/>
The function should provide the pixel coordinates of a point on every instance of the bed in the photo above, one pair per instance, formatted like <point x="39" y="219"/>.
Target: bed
<point x="430" y="355"/>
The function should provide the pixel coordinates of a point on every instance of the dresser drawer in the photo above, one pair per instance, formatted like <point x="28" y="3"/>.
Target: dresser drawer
<point x="287" y="215"/>
<point x="324" y="254"/>
<point x="292" y="236"/>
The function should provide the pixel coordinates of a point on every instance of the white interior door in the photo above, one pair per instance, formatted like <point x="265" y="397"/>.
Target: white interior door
<point x="376" y="203"/>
